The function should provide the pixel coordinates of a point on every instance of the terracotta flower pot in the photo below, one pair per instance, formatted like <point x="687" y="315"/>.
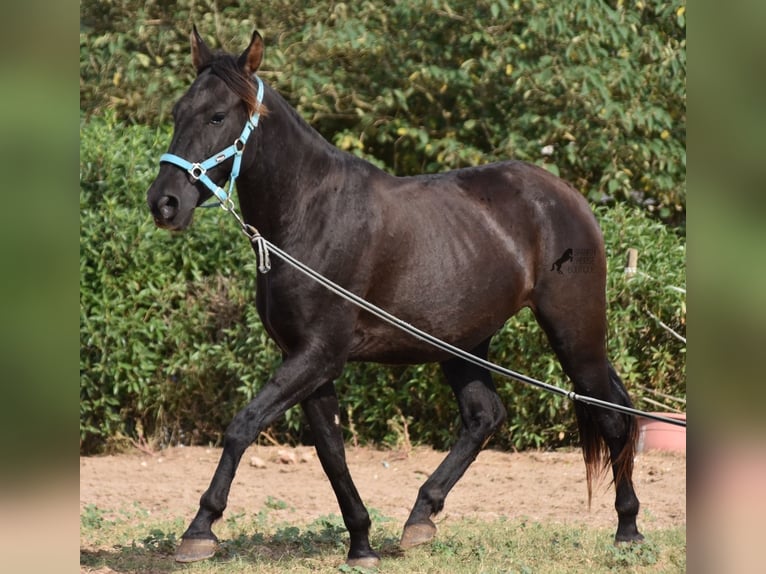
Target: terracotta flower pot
<point x="658" y="435"/>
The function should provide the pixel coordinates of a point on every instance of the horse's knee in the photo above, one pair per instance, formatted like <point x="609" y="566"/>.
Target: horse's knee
<point x="497" y="417"/>
<point x="484" y="422"/>
<point x="238" y="436"/>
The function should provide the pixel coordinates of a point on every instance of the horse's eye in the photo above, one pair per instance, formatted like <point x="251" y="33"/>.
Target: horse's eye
<point x="217" y="118"/>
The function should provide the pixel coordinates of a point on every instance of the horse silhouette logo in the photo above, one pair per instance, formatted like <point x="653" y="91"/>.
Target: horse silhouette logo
<point x="566" y="256"/>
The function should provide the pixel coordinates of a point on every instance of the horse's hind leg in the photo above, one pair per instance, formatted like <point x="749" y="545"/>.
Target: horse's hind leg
<point x="576" y="329"/>
<point x="482" y="413"/>
<point x="322" y="411"/>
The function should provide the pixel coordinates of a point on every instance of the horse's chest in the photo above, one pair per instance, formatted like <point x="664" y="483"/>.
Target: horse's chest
<point x="290" y="314"/>
<point x="273" y="321"/>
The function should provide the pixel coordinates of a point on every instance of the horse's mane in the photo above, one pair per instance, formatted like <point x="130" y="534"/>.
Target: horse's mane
<point x="225" y="66"/>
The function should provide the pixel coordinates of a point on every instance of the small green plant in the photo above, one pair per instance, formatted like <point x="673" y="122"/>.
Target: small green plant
<point x="275" y="504"/>
<point x="92" y="517"/>
<point x="443" y="547"/>
<point x="376" y="516"/>
<point x="241" y="544"/>
<point x="160" y="541"/>
<point x="232" y="521"/>
<point x="632" y="555"/>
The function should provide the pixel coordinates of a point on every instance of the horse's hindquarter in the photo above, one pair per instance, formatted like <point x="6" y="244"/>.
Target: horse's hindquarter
<point x="460" y="252"/>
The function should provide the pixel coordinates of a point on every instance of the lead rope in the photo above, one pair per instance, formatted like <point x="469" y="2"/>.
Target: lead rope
<point x="256" y="239"/>
<point x="263" y="247"/>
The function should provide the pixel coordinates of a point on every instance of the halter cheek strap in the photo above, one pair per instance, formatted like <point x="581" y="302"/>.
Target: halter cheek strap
<point x="198" y="171"/>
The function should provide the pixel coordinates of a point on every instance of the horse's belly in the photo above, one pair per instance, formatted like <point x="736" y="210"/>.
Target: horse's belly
<point x="395" y="347"/>
<point x="459" y="321"/>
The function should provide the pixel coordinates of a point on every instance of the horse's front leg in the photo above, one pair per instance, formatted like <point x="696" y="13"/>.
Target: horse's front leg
<point x="293" y="381"/>
<point x="323" y="414"/>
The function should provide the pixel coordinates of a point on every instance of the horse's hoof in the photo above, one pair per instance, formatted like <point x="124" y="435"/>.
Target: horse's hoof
<point x="365" y="562"/>
<point x="195" y="549"/>
<point x="626" y="540"/>
<point x="415" y="534"/>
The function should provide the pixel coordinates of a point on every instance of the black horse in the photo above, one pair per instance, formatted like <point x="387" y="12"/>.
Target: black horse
<point x="455" y="254"/>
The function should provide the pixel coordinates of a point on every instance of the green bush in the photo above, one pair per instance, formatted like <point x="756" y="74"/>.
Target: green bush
<point x="594" y="90"/>
<point x="169" y="343"/>
<point x="171" y="346"/>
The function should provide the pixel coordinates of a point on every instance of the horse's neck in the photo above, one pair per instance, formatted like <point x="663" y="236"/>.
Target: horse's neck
<point x="293" y="163"/>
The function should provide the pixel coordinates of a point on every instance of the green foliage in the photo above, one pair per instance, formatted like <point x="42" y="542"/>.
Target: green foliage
<point x="633" y="555"/>
<point x="171" y="346"/>
<point x="593" y="90"/>
<point x="160" y="542"/>
<point x="643" y="351"/>
<point x="92" y="517"/>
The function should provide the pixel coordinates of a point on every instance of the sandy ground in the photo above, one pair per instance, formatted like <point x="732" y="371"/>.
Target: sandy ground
<point x="540" y="486"/>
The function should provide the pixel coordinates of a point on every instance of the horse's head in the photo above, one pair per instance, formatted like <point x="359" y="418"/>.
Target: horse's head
<point x="208" y="118"/>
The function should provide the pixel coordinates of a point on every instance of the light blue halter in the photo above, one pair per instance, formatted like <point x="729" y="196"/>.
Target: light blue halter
<point x="198" y="171"/>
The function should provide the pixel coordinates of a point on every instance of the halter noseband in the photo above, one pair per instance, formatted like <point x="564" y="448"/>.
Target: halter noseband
<point x="198" y="171"/>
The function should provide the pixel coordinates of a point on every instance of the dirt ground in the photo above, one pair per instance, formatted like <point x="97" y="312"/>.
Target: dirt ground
<point x="540" y="486"/>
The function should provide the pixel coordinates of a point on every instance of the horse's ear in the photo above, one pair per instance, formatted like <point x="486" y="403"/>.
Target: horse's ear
<point x="250" y="60"/>
<point x="201" y="54"/>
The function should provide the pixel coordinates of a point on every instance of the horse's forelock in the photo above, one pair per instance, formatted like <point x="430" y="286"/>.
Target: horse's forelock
<point x="225" y="67"/>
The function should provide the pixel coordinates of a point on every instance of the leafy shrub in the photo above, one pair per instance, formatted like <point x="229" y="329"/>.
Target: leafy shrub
<point x="167" y="342"/>
<point x="594" y="90"/>
<point x="171" y="346"/>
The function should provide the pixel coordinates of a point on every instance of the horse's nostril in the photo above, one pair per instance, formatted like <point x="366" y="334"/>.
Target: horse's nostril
<point x="168" y="207"/>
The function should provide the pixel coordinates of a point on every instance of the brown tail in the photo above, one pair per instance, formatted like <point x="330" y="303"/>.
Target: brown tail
<point x="595" y="449"/>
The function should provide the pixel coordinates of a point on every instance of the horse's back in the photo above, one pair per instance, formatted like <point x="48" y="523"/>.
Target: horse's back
<point x="513" y="217"/>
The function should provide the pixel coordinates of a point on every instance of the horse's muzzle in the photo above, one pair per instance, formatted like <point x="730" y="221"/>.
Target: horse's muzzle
<point x="167" y="207"/>
<point x="168" y="214"/>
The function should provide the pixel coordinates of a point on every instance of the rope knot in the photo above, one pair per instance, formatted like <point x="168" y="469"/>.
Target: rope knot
<point x="261" y="247"/>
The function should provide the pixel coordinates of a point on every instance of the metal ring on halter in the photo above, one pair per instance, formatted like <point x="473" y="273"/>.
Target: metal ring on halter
<point x="196" y="171"/>
<point x="227" y="204"/>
